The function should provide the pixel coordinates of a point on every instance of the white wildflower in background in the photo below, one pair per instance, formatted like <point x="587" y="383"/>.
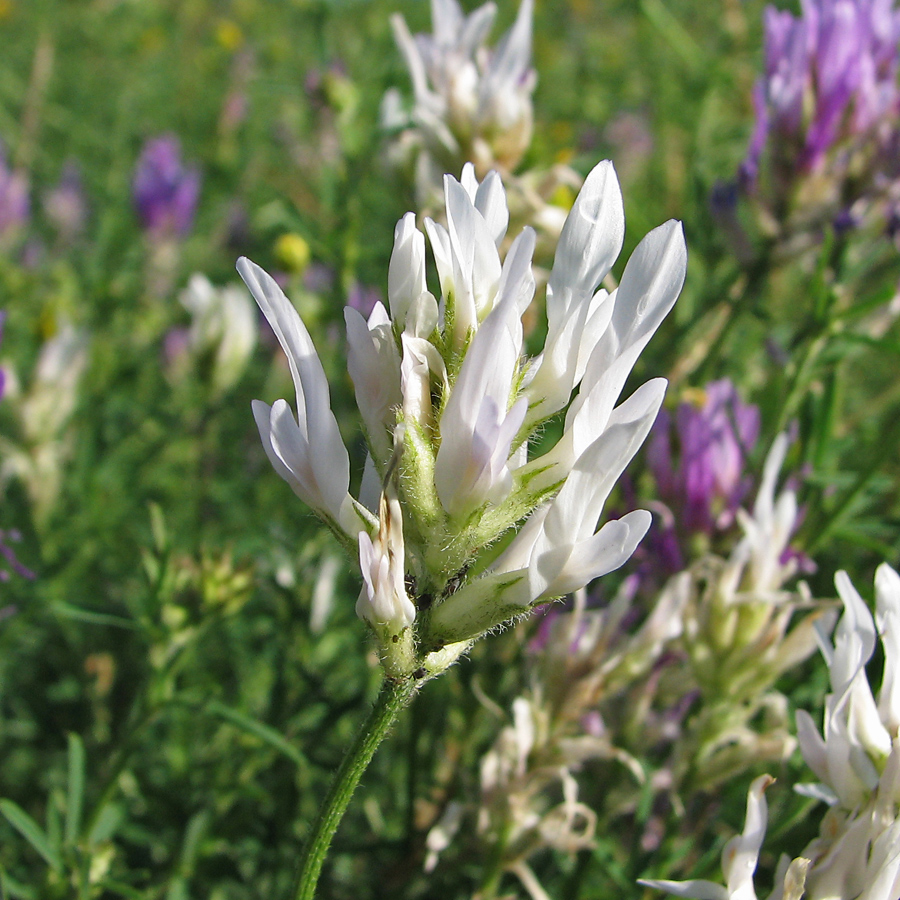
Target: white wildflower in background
<point x="449" y="399"/>
<point x="516" y="815"/>
<point x="43" y="412"/>
<point x="470" y="103"/>
<point x="740" y="635"/>
<point x="856" y="758"/>
<point x="223" y="329"/>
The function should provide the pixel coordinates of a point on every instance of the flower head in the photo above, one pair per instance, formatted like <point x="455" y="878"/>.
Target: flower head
<point x="470" y="103"/>
<point x="860" y="732"/>
<point x="449" y="400"/>
<point x="827" y="112"/>
<point x="856" y="758"/>
<point x="223" y="330"/>
<point x="714" y="437"/>
<point x="165" y="191"/>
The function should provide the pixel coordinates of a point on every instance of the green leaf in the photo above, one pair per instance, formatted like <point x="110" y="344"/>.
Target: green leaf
<point x="75" y="797"/>
<point x="264" y="732"/>
<point x="679" y="38"/>
<point x="32" y="832"/>
<point x="14" y="889"/>
<point x="119" y="888"/>
<point x="93" y="618"/>
<point x="158" y="528"/>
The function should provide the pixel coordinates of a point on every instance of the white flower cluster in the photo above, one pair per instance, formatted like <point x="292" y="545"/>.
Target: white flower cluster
<point x="856" y="758"/>
<point x="470" y="103"/>
<point x="741" y="634"/>
<point x="223" y="329"/>
<point x="43" y="411"/>
<point x="449" y="400"/>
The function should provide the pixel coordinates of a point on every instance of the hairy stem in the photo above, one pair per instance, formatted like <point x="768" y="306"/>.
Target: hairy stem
<point x="393" y="698"/>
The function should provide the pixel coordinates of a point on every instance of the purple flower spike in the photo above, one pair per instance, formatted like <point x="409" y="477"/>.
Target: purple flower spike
<point x="14" y="203"/>
<point x="714" y="438"/>
<point x="830" y="85"/>
<point x="165" y="191"/>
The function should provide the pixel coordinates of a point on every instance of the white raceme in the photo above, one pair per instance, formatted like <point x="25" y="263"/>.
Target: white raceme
<point x="856" y="758"/>
<point x="469" y="102"/>
<point x="449" y="398"/>
<point x="223" y="327"/>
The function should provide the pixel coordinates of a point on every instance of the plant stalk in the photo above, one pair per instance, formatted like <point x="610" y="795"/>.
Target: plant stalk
<point x="393" y="698"/>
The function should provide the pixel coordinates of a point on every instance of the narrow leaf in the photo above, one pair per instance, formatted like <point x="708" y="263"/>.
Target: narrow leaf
<point x="32" y="832"/>
<point x="75" y="798"/>
<point x="264" y="732"/>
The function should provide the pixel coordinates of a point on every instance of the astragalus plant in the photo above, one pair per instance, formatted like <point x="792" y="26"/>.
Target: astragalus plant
<point x="457" y="528"/>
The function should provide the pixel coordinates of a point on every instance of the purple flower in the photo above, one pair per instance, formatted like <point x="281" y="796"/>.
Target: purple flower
<point x="65" y="204"/>
<point x="830" y="76"/>
<point x="14" y="203"/>
<point x="713" y="438"/>
<point x="165" y="191"/>
<point x="362" y="298"/>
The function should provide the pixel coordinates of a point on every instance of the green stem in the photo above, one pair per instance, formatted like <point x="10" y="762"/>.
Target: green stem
<point x="393" y="698"/>
<point x="801" y="377"/>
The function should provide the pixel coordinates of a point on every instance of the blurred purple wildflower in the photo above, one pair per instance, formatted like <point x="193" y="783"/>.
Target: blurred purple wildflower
<point x="830" y="75"/>
<point x="65" y="204"/>
<point x="319" y="278"/>
<point x="165" y="191"/>
<point x="363" y="298"/>
<point x="14" y="203"/>
<point x="713" y="437"/>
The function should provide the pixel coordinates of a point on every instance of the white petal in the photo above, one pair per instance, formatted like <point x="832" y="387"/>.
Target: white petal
<point x="374" y="367"/>
<point x="473" y="246"/>
<point x="697" y="889"/>
<point x="812" y="746"/>
<point x="329" y="461"/>
<point x="406" y="272"/>
<point x="490" y="201"/>
<point x="512" y="56"/>
<point x="650" y="285"/>
<point x="411" y="55"/>
<point x="262" y="414"/>
<point x="603" y="552"/>
<point x="590" y="241"/>
<point x="887" y="593"/>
